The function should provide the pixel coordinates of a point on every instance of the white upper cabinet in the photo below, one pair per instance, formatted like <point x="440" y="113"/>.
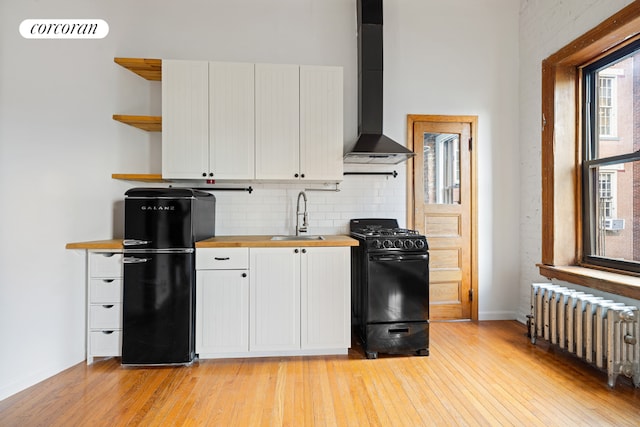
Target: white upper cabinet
<point x="239" y="121"/>
<point x="299" y="122"/>
<point x="185" y="119"/>
<point x="277" y="121"/>
<point x="207" y="110"/>
<point x="231" y="120"/>
<point x="321" y="134"/>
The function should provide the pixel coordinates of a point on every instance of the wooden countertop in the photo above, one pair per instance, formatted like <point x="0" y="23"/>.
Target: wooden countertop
<point x="266" y="242"/>
<point x="231" y="242"/>
<point x="97" y="244"/>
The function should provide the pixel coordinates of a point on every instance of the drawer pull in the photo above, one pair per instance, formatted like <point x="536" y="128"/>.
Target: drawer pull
<point x="222" y="259"/>
<point x="107" y="306"/>
<point x="107" y="280"/>
<point x="399" y="330"/>
<point x="107" y="332"/>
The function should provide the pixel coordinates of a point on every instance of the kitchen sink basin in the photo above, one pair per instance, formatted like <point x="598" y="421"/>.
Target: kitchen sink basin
<point x="297" y="238"/>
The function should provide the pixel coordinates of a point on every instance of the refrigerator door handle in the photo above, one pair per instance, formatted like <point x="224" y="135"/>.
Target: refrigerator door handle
<point x="134" y="242"/>
<point x="134" y="260"/>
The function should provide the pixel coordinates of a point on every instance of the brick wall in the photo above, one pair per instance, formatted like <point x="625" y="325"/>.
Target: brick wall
<point x="545" y="27"/>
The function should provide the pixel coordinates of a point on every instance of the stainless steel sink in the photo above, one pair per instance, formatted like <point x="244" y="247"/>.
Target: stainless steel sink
<point x="297" y="238"/>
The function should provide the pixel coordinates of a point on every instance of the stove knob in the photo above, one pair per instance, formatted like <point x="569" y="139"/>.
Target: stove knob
<point x="420" y="244"/>
<point x="388" y="244"/>
<point x="398" y="244"/>
<point x="408" y="244"/>
<point x="376" y="244"/>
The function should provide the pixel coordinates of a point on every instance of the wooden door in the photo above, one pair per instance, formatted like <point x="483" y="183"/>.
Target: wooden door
<point x="442" y="207"/>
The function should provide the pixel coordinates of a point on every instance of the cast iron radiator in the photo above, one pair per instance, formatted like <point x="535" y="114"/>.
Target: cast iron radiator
<point x="602" y="332"/>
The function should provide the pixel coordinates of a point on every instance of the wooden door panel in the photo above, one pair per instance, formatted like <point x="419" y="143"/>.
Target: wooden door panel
<point x="444" y="293"/>
<point x="443" y="225"/>
<point x="445" y="259"/>
<point x="445" y="276"/>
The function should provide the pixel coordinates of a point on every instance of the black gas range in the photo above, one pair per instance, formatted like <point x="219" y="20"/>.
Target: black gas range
<point x="390" y="287"/>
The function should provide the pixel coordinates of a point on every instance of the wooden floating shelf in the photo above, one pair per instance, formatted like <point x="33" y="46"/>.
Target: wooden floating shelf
<point x="150" y="69"/>
<point x="148" y="123"/>
<point x="144" y="177"/>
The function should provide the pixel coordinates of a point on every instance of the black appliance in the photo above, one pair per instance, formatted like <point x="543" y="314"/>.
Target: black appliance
<point x="161" y="227"/>
<point x="389" y="288"/>
<point x="372" y="145"/>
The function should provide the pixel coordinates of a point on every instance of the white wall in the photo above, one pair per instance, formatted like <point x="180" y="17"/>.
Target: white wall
<point x="545" y="27"/>
<point x="59" y="146"/>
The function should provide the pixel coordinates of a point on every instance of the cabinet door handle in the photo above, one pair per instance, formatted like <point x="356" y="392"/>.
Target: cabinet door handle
<point x="302" y="176"/>
<point x="296" y="250"/>
<point x="296" y="175"/>
<point x="244" y="274"/>
<point x="221" y="258"/>
<point x="304" y="251"/>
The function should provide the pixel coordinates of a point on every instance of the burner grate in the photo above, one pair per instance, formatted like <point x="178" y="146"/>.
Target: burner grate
<point x="372" y="231"/>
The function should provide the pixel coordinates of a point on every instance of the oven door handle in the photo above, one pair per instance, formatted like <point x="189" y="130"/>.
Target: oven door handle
<point x="396" y="257"/>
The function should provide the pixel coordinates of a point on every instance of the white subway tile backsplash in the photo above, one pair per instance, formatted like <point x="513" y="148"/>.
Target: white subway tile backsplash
<point x="270" y="208"/>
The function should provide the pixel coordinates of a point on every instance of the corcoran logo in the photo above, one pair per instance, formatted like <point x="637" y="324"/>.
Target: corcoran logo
<point x="158" y="208"/>
<point x="64" y="28"/>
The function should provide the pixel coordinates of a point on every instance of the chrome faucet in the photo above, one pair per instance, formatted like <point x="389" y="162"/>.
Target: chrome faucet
<point x="305" y="215"/>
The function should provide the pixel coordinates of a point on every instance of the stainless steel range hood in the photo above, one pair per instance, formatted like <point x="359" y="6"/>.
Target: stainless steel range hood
<point x="372" y="146"/>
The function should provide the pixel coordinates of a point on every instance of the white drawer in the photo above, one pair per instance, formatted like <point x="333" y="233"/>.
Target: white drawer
<point x="105" y="264"/>
<point x="105" y="343"/>
<point x="222" y="259"/>
<point x="105" y="316"/>
<point x="106" y="290"/>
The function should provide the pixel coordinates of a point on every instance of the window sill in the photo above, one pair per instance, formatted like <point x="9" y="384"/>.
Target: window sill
<point x="606" y="281"/>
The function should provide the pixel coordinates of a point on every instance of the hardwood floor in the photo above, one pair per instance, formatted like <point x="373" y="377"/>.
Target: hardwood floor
<point x="480" y="373"/>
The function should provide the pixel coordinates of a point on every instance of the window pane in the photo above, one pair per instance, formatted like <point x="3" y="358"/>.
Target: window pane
<point x="441" y="168"/>
<point x="615" y="204"/>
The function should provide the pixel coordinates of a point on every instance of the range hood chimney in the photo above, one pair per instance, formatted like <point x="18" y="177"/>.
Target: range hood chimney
<point x="372" y="146"/>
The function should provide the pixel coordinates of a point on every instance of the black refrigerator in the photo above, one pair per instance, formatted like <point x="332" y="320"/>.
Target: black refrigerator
<point x="160" y="230"/>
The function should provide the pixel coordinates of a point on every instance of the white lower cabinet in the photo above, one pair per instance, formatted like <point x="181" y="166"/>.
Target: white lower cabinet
<point x="325" y="298"/>
<point x="222" y="301"/>
<point x="295" y="301"/>
<point x="104" y="310"/>
<point x="222" y="312"/>
<point x="275" y="299"/>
